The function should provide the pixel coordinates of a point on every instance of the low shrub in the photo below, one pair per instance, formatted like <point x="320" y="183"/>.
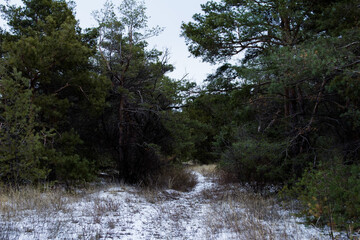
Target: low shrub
<point x="73" y="169"/>
<point x="330" y="195"/>
<point x="256" y="162"/>
<point x="174" y="177"/>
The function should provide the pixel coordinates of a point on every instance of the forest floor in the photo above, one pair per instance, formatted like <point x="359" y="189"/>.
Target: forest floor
<point x="120" y="211"/>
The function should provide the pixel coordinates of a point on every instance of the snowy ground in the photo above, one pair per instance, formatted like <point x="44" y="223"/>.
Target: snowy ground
<point x="125" y="212"/>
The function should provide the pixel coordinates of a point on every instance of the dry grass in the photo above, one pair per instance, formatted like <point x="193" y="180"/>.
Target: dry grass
<point x="151" y="194"/>
<point x="228" y="208"/>
<point x="180" y="179"/>
<point x="176" y="178"/>
<point x="101" y="207"/>
<point x="248" y="215"/>
<point x="173" y="177"/>
<point x="32" y="203"/>
<point x="40" y="205"/>
<point x="206" y="170"/>
<point x="243" y="214"/>
<point x="237" y="209"/>
<point x="30" y="198"/>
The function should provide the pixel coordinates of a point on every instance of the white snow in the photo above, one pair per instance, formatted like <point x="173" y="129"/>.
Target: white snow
<point x="124" y="212"/>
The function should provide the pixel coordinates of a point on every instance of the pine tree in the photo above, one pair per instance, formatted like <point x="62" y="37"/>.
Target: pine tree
<point x="47" y="46"/>
<point x="21" y="144"/>
<point x="301" y="63"/>
<point x="138" y="96"/>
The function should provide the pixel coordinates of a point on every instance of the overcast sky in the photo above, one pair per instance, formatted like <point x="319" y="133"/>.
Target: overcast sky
<point x="164" y="13"/>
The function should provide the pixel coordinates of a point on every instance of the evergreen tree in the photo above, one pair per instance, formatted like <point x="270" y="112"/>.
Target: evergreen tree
<point x="291" y="57"/>
<point x="133" y="121"/>
<point x="21" y="145"/>
<point x="47" y="46"/>
<point x="301" y="63"/>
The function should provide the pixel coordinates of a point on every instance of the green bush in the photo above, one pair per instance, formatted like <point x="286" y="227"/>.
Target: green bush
<point x="255" y="161"/>
<point x="73" y="169"/>
<point x="68" y="166"/>
<point x="330" y="195"/>
<point x="20" y="144"/>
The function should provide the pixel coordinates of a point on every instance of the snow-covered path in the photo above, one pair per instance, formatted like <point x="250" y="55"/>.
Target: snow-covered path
<point x="123" y="212"/>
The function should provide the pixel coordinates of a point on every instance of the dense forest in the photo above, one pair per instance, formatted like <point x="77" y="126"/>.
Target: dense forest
<point x="282" y="109"/>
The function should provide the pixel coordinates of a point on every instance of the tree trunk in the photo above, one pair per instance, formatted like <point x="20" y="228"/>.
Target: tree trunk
<point x="121" y="130"/>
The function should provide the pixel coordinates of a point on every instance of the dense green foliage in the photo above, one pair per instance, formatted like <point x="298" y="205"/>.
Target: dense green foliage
<point x="21" y="150"/>
<point x="45" y="46"/>
<point x="282" y="109"/>
<point x="140" y="93"/>
<point x="289" y="103"/>
<point x="78" y="102"/>
<point x="332" y="194"/>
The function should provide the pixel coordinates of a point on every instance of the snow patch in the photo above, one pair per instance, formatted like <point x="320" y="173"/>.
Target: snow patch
<point x="122" y="213"/>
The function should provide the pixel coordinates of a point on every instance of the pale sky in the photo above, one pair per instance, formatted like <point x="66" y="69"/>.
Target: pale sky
<point x="168" y="14"/>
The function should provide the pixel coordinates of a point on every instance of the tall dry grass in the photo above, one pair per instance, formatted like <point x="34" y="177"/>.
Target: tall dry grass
<point x="41" y="200"/>
<point x="236" y="209"/>
<point x="173" y="177"/>
<point x="32" y="203"/>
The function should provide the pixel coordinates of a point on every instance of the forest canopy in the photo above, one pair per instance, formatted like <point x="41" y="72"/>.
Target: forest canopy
<point x="287" y="112"/>
<point x="282" y="109"/>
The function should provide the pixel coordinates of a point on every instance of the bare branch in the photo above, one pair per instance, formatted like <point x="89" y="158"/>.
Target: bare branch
<point x="350" y="44"/>
<point x="62" y="88"/>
